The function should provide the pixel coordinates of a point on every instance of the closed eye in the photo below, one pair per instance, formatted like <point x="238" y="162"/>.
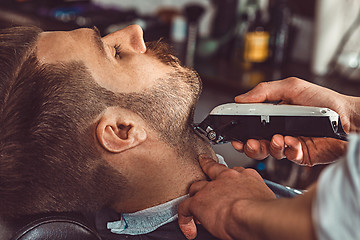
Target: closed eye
<point x="117" y="51"/>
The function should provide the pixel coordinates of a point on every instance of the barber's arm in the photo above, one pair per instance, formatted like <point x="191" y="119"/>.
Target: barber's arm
<point x="302" y="150"/>
<point x="237" y="204"/>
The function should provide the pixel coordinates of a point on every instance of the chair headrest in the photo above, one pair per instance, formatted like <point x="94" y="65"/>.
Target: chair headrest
<point x="56" y="226"/>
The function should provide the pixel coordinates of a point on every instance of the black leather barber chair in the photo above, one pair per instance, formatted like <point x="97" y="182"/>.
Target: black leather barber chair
<point x="58" y="226"/>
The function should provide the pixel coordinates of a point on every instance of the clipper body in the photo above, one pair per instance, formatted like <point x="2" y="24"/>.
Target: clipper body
<point x="240" y="122"/>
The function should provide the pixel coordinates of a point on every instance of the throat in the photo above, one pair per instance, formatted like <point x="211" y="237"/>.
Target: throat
<point x="165" y="185"/>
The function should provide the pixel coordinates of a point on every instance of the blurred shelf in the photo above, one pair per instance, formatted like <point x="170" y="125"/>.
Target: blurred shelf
<point x="234" y="79"/>
<point x="12" y="17"/>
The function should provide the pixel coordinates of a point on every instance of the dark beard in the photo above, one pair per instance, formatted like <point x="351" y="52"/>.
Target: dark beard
<point x="168" y="107"/>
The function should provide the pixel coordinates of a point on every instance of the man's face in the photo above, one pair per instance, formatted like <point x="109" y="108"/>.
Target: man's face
<point x="157" y="86"/>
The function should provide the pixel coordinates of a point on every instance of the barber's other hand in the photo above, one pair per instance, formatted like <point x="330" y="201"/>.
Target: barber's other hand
<point x="302" y="150"/>
<point x="220" y="204"/>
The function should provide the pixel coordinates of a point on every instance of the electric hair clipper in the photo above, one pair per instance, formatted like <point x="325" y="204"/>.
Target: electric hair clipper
<point x="240" y="122"/>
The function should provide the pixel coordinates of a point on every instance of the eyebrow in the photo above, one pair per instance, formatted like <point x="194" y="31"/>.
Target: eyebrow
<point x="97" y="39"/>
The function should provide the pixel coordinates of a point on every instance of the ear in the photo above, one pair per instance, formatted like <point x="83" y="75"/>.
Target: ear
<point x="119" y="130"/>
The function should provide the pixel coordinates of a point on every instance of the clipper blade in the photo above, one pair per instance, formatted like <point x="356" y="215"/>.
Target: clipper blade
<point x="200" y="132"/>
<point x="206" y="132"/>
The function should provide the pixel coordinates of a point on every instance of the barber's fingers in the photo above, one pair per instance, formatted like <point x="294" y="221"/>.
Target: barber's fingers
<point x="239" y="146"/>
<point x="277" y="146"/>
<point x="185" y="220"/>
<point x="293" y="151"/>
<point x="197" y="186"/>
<point x="257" y="149"/>
<point x="211" y="168"/>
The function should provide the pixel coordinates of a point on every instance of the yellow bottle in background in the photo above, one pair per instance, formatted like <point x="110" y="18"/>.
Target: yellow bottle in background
<point x="256" y="49"/>
<point x="256" y="42"/>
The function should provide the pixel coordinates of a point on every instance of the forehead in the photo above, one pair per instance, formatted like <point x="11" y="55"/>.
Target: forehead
<point x="64" y="46"/>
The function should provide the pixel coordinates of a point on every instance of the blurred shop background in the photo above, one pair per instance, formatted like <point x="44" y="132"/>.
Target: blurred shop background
<point x="233" y="44"/>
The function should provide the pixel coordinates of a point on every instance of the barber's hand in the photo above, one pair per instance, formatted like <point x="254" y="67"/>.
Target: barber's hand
<point x="302" y="150"/>
<point x="219" y="204"/>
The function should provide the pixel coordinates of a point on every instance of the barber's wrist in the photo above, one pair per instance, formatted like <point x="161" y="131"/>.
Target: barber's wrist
<point x="274" y="219"/>
<point x="354" y="114"/>
<point x="247" y="219"/>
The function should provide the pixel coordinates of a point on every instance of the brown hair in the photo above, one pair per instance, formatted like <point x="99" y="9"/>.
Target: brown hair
<point x="48" y="159"/>
<point x="48" y="112"/>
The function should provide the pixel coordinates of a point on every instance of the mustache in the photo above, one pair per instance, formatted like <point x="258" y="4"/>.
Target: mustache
<point x="164" y="52"/>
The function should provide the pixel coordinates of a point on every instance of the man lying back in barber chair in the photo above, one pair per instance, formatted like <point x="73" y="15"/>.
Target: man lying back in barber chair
<point x="89" y="123"/>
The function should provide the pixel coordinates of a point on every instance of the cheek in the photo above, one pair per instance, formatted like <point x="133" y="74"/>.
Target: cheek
<point x="130" y="74"/>
<point x="147" y="70"/>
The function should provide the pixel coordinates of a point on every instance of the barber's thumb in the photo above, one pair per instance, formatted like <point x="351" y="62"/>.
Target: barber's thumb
<point x="188" y="227"/>
<point x="205" y="157"/>
<point x="186" y="220"/>
<point x="248" y="97"/>
<point x="255" y="95"/>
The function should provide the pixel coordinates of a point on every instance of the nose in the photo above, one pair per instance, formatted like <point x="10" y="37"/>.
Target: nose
<point x="130" y="38"/>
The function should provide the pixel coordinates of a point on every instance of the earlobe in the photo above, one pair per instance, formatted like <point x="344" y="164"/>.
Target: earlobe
<point x="116" y="135"/>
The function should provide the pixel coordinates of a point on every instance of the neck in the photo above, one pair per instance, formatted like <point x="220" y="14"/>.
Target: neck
<point x="162" y="175"/>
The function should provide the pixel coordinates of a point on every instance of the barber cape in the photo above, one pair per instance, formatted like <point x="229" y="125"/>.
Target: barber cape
<point x="159" y="222"/>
